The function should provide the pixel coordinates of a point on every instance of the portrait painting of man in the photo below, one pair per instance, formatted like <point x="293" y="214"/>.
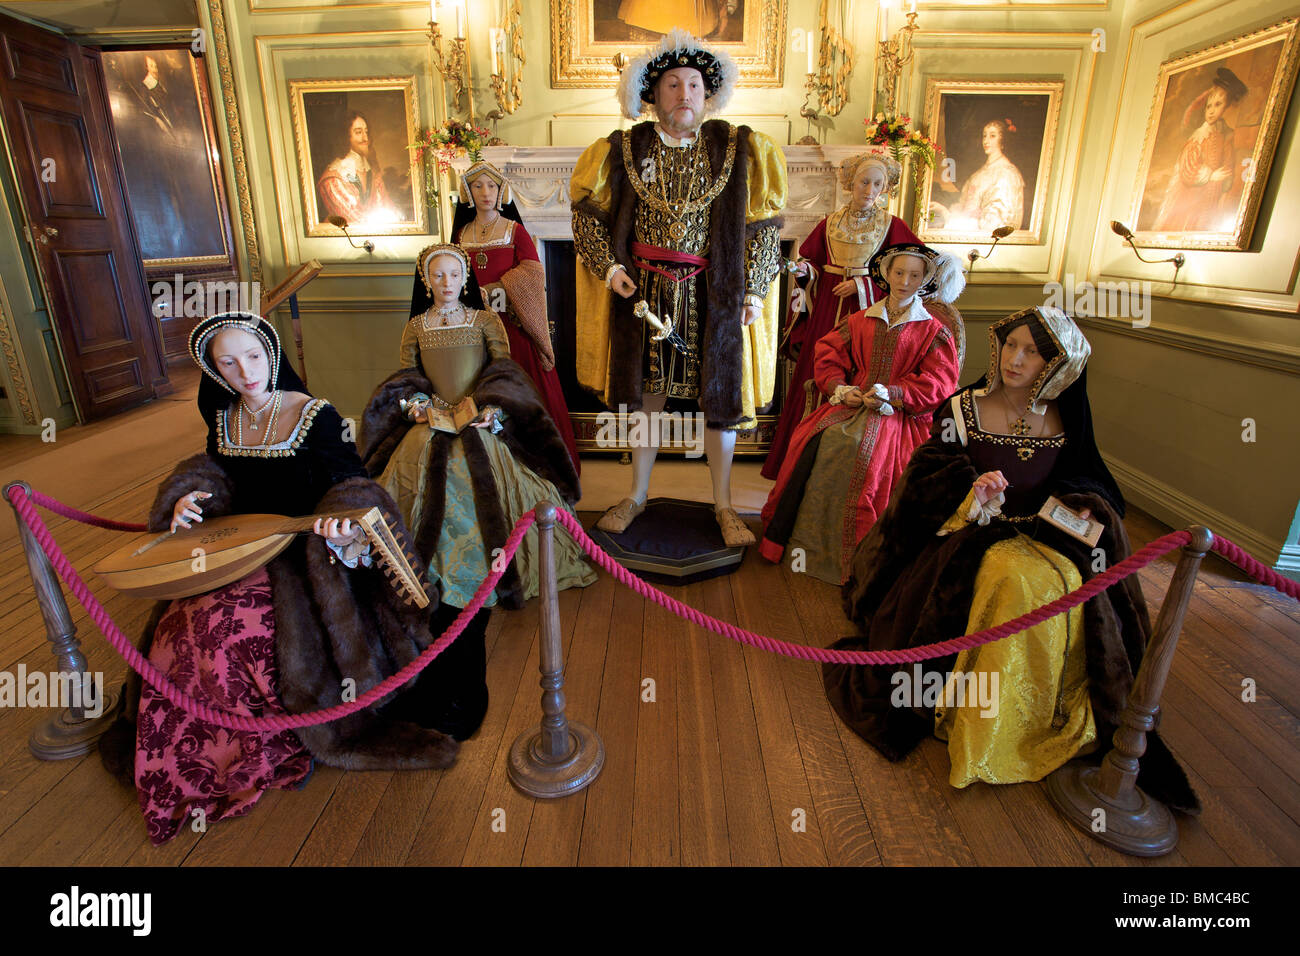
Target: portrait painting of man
<point x="354" y="162"/>
<point x="167" y="154"/>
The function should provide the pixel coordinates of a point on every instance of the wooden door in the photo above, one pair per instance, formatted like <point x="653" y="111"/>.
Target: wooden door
<point x="65" y="160"/>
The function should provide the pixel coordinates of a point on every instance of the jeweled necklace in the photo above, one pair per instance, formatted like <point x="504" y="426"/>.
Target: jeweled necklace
<point x="484" y="233"/>
<point x="445" y="313"/>
<point x="1019" y="427"/>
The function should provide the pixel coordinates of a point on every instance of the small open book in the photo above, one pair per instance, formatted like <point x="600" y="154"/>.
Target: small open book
<point x="1087" y="530"/>
<point x="452" y="420"/>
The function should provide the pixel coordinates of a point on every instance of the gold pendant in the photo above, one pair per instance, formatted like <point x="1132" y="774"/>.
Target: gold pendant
<point x="677" y="230"/>
<point x="1025" y="453"/>
<point x="480" y="260"/>
<point x="1020" y="427"/>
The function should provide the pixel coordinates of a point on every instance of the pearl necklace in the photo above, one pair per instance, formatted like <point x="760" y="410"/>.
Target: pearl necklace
<point x="274" y="402"/>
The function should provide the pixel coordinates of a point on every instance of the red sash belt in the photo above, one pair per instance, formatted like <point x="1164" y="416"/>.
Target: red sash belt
<point x="643" y="251"/>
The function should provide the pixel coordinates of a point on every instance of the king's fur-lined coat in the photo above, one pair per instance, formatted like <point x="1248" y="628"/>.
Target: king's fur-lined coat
<point x="722" y="348"/>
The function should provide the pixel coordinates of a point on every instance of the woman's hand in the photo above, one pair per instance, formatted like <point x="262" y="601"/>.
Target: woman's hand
<point x="338" y="533"/>
<point x="853" y="398"/>
<point x="187" y="509"/>
<point x="989" y="485"/>
<point x="845" y="289"/>
<point x="487" y="418"/>
<point x="802" y="269"/>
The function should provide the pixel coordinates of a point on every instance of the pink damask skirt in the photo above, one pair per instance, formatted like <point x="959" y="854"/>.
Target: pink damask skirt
<point x="219" y="648"/>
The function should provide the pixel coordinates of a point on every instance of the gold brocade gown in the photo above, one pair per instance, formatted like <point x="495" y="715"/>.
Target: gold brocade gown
<point x="452" y="358"/>
<point x="1037" y="716"/>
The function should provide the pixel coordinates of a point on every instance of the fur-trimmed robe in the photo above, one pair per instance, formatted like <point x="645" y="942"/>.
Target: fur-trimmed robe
<point x="909" y="588"/>
<point x="722" y="348"/>
<point x="527" y="429"/>
<point x="331" y="622"/>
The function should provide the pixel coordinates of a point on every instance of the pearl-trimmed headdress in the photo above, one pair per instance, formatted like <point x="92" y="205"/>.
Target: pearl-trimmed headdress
<point x="429" y="253"/>
<point x="203" y="334"/>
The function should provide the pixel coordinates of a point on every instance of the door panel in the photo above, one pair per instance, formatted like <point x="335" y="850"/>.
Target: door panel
<point x="62" y="137"/>
<point x="65" y="157"/>
<point x="37" y="67"/>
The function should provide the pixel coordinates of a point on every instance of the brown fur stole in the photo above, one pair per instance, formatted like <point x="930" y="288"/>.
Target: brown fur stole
<point x="909" y="588"/>
<point x="528" y="431"/>
<point x="721" y="331"/>
<point x="332" y="623"/>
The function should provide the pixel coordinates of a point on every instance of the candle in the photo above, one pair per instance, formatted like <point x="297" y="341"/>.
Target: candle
<point x="884" y="20"/>
<point x="492" y="39"/>
<point x="433" y="11"/>
<point x="460" y="31"/>
<point x="811" y="38"/>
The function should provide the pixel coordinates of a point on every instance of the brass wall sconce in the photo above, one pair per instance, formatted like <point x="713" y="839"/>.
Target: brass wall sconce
<point x="1125" y="233"/>
<point x="893" y="54"/>
<point x="452" y="63"/>
<point x="342" y="223"/>
<point x="1000" y="233"/>
<point x="507" y="62"/>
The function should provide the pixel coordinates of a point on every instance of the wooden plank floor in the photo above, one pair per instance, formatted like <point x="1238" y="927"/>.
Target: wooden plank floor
<point x="736" y="758"/>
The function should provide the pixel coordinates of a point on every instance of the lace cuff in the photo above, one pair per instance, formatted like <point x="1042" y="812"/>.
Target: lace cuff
<point x="353" y="553"/>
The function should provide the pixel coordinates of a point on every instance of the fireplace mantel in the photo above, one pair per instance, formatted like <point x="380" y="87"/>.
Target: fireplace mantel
<point x="539" y="176"/>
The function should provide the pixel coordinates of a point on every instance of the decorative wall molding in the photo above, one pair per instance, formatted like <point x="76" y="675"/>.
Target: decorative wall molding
<point x="16" y="377"/>
<point x="1179" y="510"/>
<point x="1278" y="358"/>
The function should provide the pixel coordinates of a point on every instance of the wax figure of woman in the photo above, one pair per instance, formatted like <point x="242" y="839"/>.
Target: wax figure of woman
<point x="834" y="261"/>
<point x="884" y="371"/>
<point x="507" y="279"/>
<point x="462" y="494"/>
<point x="284" y="638"/>
<point x="960" y="549"/>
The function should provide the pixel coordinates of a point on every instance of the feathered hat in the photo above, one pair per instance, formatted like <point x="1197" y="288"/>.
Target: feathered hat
<point x="677" y="49"/>
<point x="944" y="278"/>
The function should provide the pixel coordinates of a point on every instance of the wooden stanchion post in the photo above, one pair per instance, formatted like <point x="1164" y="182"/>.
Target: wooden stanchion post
<point x="562" y="756"/>
<point x="70" y="733"/>
<point x="1106" y="802"/>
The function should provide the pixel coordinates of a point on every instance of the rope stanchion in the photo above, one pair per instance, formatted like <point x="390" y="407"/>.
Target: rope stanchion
<point x="1132" y="821"/>
<point x="71" y="732"/>
<point x="562" y="756"/>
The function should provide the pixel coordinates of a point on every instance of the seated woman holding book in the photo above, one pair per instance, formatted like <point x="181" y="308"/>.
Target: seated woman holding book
<point x="962" y="548"/>
<point x="462" y="441"/>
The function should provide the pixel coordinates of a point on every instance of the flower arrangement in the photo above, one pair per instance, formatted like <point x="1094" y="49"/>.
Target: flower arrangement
<point x="436" y="147"/>
<point x="895" y="133"/>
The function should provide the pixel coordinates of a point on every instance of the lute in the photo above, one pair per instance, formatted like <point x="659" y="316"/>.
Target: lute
<point x="219" y="550"/>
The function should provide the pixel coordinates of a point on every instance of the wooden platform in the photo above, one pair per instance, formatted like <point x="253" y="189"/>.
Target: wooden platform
<point x="736" y="746"/>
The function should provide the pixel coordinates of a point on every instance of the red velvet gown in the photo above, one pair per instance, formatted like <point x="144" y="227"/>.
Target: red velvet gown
<point x="843" y="462"/>
<point x="511" y="263"/>
<point x="827" y="309"/>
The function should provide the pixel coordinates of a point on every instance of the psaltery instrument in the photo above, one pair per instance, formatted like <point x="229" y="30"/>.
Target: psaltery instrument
<point x="219" y="550"/>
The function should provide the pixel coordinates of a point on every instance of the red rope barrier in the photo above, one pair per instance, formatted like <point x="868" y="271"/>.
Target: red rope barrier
<point x="139" y="663"/>
<point x="1096" y="585"/>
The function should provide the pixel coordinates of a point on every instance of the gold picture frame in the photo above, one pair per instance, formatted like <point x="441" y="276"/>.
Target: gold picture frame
<point x="998" y="138"/>
<point x="587" y="34"/>
<point x="1201" y="180"/>
<point x="381" y="194"/>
